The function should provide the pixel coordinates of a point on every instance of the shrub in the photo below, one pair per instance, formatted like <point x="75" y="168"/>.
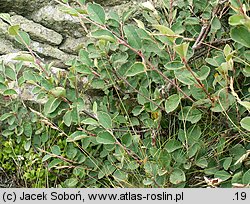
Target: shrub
<point x="169" y="98"/>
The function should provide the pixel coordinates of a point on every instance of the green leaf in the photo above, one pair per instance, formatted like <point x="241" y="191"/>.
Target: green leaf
<point x="127" y="139"/>
<point x="82" y="1"/>
<point x="215" y="24"/>
<point x="174" y="65"/>
<point x="237" y="19"/>
<point x="58" y="92"/>
<point x="71" y="151"/>
<point x="96" y="13"/>
<point x="67" y="118"/>
<point x="246" y="177"/>
<point x="13" y="30"/>
<point x="140" y="97"/>
<point x="89" y="121"/>
<point x="94" y="107"/>
<point x="29" y="76"/>
<point x="84" y="57"/>
<point x="55" y="150"/>
<point x="246" y="104"/>
<point x="147" y="181"/>
<point x="9" y="92"/>
<point x="127" y="14"/>
<point x="27" y="145"/>
<point x="184" y="76"/>
<point x="201" y="162"/>
<point x="46" y="157"/>
<point x="23" y="38"/>
<point x="24" y="57"/>
<point x="241" y="35"/>
<point x="203" y="73"/>
<point x="120" y="175"/>
<point x="106" y="170"/>
<point x="133" y="38"/>
<point x="197" y="92"/>
<point x="192" y="21"/>
<point x="172" y="103"/>
<point x="7" y="133"/>
<point x="182" y="50"/>
<point x="227" y="50"/>
<point x="245" y="123"/>
<point x="177" y="176"/>
<point x="77" y="135"/>
<point x="54" y="162"/>
<point x="104" y="120"/>
<point x="28" y="129"/>
<point x="79" y="171"/>
<point x="105" y="138"/>
<point x="70" y="11"/>
<point x="166" y="31"/>
<point x="135" y="69"/>
<point x="10" y="73"/>
<point x="223" y="175"/>
<point x="51" y="105"/>
<point x="5" y="116"/>
<point x="190" y="114"/>
<point x="103" y="35"/>
<point x="71" y="183"/>
<point x="173" y="145"/>
<point x="98" y="84"/>
<point x="227" y="162"/>
<point x="193" y="150"/>
<point x="83" y="69"/>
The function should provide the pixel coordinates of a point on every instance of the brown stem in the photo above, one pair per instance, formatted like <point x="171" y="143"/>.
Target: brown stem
<point x="57" y="156"/>
<point x="198" y="80"/>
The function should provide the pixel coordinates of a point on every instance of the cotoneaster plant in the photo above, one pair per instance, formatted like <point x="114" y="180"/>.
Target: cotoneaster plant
<point x="169" y="97"/>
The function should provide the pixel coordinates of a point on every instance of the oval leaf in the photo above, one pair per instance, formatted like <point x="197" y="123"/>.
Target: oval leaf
<point x="166" y="31"/>
<point x="177" y="176"/>
<point x="246" y="178"/>
<point x="133" y="38"/>
<point x="96" y="13"/>
<point x="245" y="123"/>
<point x="103" y="35"/>
<point x="172" y="103"/>
<point x="13" y="30"/>
<point x="78" y="135"/>
<point x="223" y="175"/>
<point x="241" y="35"/>
<point x="67" y="118"/>
<point x="51" y="105"/>
<point x="104" y="119"/>
<point x="135" y="69"/>
<point x="105" y="138"/>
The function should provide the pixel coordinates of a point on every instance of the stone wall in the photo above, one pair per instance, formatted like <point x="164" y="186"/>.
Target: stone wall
<point x="55" y="36"/>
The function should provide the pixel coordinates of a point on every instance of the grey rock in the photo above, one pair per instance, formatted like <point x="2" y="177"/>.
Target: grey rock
<point x="51" y="17"/>
<point x="22" y="6"/>
<point x="49" y="51"/>
<point x="7" y="47"/>
<point x="37" y="31"/>
<point x="55" y="36"/>
<point x="73" y="45"/>
<point x="3" y="28"/>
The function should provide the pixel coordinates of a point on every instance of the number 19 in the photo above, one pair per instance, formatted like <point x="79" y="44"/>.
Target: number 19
<point x="241" y="196"/>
